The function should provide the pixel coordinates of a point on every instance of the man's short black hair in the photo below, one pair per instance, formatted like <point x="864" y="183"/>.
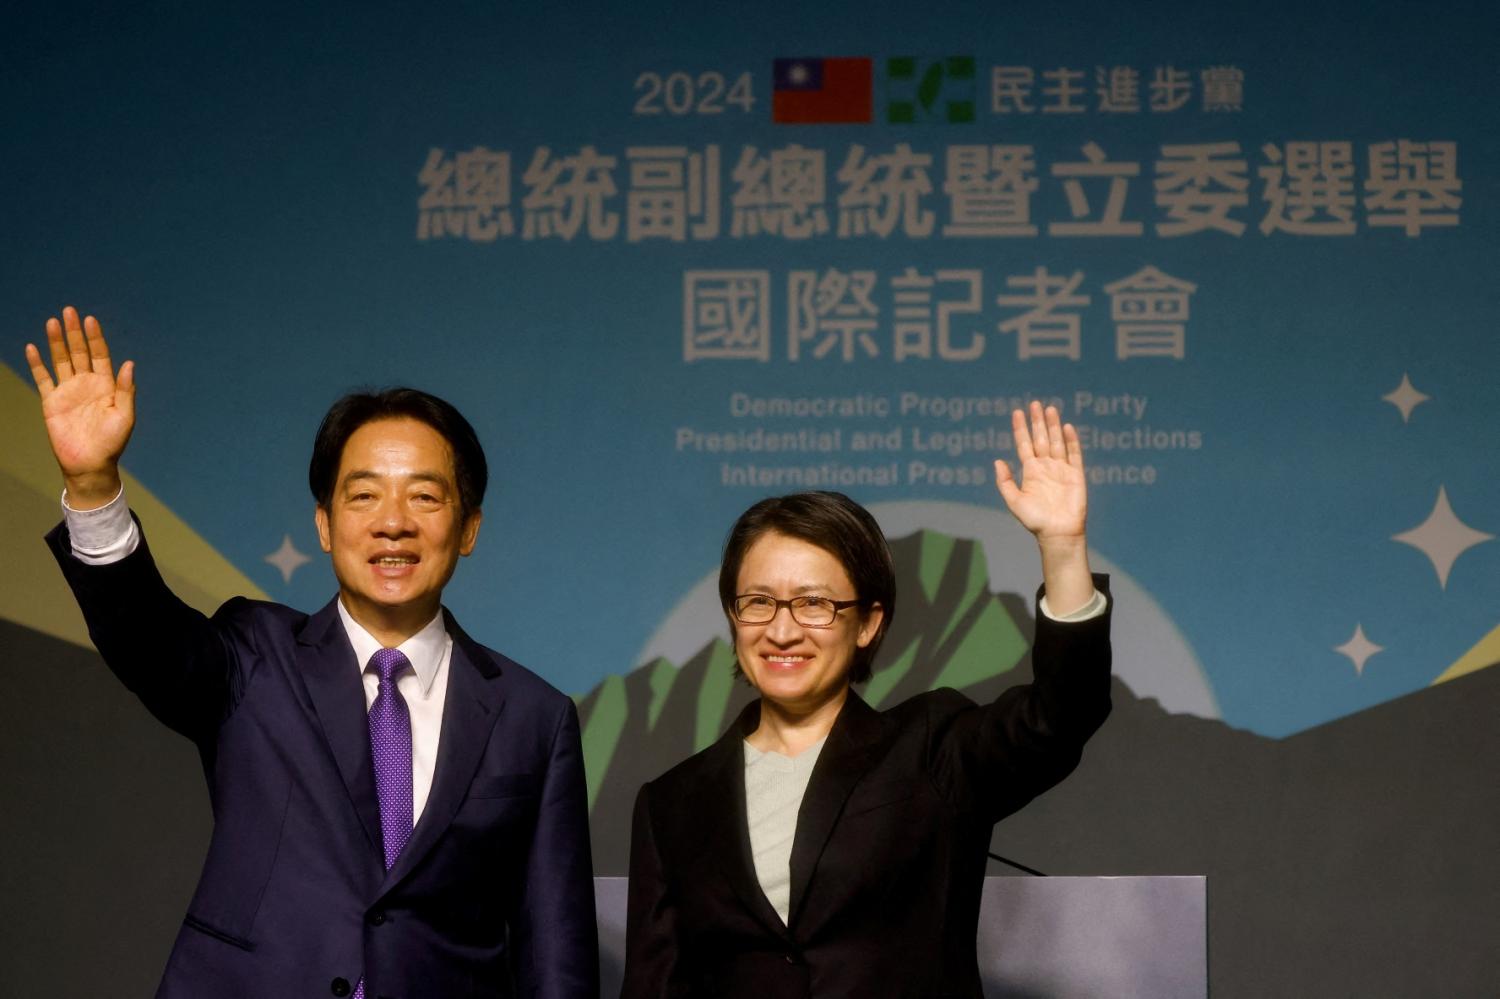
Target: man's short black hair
<point x="358" y="408"/>
<point x="839" y="526"/>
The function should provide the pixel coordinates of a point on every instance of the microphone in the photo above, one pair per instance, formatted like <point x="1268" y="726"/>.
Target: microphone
<point x="1012" y="863"/>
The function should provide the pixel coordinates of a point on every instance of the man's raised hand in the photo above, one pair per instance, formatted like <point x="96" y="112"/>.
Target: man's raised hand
<point x="89" y="412"/>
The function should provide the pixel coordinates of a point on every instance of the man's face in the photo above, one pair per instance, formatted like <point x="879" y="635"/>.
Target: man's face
<point x="394" y="526"/>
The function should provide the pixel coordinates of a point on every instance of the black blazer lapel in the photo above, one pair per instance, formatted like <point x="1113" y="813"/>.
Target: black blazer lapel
<point x="331" y="675"/>
<point x="720" y="799"/>
<point x="844" y="759"/>
<point x="473" y="704"/>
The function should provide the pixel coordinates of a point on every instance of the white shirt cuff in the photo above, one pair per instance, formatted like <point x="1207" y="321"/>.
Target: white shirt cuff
<point x="1095" y="606"/>
<point x="103" y="535"/>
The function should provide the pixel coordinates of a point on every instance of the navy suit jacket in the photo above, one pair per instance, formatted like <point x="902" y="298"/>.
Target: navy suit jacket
<point x="888" y="859"/>
<point x="492" y="895"/>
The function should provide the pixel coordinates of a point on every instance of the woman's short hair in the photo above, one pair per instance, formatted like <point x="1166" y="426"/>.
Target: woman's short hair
<point x="358" y="408"/>
<point x="839" y="526"/>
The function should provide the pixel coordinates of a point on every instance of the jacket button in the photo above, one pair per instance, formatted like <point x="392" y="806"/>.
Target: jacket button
<point x="376" y="918"/>
<point x="340" y="987"/>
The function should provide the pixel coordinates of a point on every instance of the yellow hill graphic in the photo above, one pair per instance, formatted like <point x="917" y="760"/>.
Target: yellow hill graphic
<point x="32" y="592"/>
<point x="1486" y="653"/>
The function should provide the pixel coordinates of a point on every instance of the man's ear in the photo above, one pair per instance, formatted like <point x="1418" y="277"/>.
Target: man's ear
<point x="470" y="532"/>
<point x="320" y="517"/>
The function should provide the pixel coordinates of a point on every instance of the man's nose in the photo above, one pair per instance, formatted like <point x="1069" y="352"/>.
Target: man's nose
<point x="392" y="519"/>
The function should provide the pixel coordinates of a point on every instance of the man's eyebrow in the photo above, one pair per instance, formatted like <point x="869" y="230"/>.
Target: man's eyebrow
<point x="425" y="476"/>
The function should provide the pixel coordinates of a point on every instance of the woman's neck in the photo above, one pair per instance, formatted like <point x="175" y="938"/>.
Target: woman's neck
<point x="784" y="729"/>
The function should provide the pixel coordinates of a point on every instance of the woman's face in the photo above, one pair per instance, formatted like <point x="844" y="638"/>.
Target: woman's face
<point x="794" y="666"/>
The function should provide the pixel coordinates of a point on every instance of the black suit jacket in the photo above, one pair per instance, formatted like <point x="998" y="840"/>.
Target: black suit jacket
<point x="492" y="895"/>
<point x="888" y="860"/>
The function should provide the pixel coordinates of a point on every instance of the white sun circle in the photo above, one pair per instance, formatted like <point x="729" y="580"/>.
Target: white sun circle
<point x="1150" y="655"/>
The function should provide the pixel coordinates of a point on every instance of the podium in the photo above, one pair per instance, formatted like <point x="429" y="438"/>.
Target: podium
<point x="1045" y="938"/>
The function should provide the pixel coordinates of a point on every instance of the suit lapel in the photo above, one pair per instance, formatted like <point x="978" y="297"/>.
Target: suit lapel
<point x="844" y="759"/>
<point x="726" y="822"/>
<point x="473" y="704"/>
<point x="331" y="675"/>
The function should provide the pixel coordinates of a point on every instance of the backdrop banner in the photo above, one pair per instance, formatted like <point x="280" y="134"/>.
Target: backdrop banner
<point x="672" y="259"/>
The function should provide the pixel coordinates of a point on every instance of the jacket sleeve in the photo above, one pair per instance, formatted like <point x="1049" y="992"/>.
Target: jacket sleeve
<point x="1000" y="756"/>
<point x="171" y="656"/>
<point x="651" y="941"/>
<point x="555" y="937"/>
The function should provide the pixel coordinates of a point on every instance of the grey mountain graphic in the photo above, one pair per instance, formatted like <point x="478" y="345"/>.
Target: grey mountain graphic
<point x="1352" y="859"/>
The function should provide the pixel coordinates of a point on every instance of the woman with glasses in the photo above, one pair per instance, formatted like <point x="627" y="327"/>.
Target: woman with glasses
<point x="822" y="848"/>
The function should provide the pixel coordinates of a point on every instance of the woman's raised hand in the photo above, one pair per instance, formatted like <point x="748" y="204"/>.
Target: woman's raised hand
<point x="1051" y="500"/>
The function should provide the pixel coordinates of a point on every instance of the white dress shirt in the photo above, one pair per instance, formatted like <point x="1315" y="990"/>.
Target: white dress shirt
<point x="109" y="533"/>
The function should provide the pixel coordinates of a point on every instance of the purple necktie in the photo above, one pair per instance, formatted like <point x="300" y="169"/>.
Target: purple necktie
<point x="390" y="749"/>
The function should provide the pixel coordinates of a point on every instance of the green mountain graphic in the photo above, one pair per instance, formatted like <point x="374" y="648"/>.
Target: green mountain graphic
<point x="949" y="631"/>
<point x="1352" y="859"/>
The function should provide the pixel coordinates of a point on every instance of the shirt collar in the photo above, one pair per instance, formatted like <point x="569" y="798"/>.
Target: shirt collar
<point x="424" y="650"/>
<point x="780" y="761"/>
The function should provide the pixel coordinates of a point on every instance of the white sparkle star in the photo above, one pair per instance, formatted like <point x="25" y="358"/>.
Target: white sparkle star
<point x="1442" y="537"/>
<point x="287" y="558"/>
<point x="1358" y="649"/>
<point x="1405" y="398"/>
<point x="798" y="74"/>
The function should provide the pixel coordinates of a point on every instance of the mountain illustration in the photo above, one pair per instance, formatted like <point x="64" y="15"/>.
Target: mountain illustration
<point x="949" y="631"/>
<point x="32" y="591"/>
<point x="1355" y="858"/>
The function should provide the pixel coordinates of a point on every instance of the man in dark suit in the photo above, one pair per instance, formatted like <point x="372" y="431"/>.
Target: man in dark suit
<point x="398" y="811"/>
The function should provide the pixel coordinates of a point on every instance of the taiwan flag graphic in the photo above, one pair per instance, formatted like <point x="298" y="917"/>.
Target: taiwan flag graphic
<point x="822" y="91"/>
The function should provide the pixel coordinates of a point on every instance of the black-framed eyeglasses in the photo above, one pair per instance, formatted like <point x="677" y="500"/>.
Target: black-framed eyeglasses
<point x="808" y="611"/>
